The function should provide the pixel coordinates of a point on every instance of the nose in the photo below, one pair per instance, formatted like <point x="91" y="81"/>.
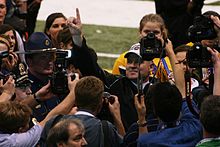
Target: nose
<point x="84" y="142"/>
<point x="28" y="91"/>
<point x="60" y="27"/>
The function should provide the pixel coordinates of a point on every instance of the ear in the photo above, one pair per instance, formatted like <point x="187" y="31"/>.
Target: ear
<point x="60" y="144"/>
<point x="61" y="45"/>
<point x="48" y="33"/>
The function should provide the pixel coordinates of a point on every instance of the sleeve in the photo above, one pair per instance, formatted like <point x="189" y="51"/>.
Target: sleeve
<point x="85" y="60"/>
<point x="29" y="138"/>
<point x="186" y="113"/>
<point x="116" y="139"/>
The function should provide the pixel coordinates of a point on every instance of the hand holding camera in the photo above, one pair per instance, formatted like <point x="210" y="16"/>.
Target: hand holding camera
<point x="151" y="47"/>
<point x="72" y="81"/>
<point x="203" y="28"/>
<point x="114" y="107"/>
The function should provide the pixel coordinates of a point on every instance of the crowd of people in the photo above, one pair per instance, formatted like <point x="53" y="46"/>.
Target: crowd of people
<point x="155" y="95"/>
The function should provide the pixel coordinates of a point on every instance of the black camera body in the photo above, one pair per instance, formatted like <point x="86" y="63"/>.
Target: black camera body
<point x="199" y="56"/>
<point x="202" y="28"/>
<point x="108" y="98"/>
<point x="59" y="82"/>
<point x="4" y="54"/>
<point x="151" y="47"/>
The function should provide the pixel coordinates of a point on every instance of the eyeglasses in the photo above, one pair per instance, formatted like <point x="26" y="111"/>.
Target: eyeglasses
<point x="184" y="62"/>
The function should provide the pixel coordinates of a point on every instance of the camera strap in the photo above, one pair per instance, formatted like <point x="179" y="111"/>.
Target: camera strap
<point x="139" y="80"/>
<point x="165" y="66"/>
<point x="211" y="80"/>
<point x="188" y="93"/>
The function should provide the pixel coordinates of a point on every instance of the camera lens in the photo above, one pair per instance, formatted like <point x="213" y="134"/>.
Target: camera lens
<point x="151" y="35"/>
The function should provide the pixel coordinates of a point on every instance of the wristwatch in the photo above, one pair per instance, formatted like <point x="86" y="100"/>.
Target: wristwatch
<point x="141" y="124"/>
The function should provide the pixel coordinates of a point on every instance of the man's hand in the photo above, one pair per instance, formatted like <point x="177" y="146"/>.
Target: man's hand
<point x="72" y="83"/>
<point x="216" y="21"/>
<point x="115" y="107"/>
<point x="75" y="27"/>
<point x="7" y="89"/>
<point x="45" y="93"/>
<point x="9" y="86"/>
<point x="216" y="64"/>
<point x="215" y="57"/>
<point x="140" y="107"/>
<point x="75" y="24"/>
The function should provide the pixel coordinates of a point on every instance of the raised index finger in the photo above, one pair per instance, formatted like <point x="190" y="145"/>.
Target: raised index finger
<point x="78" y="14"/>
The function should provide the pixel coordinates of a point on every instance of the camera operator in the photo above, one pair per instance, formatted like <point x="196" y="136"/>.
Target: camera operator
<point x="40" y="67"/>
<point x="210" y="109"/>
<point x="203" y="33"/>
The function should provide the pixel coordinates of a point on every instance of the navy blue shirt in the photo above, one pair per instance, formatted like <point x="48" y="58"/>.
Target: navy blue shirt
<point x="186" y="134"/>
<point x="41" y="110"/>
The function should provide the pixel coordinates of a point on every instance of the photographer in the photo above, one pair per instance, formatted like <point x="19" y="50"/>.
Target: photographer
<point x="151" y="26"/>
<point x="210" y="108"/>
<point x="203" y="33"/>
<point x="89" y="99"/>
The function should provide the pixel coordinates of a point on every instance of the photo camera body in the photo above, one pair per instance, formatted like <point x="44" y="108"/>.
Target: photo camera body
<point x="151" y="47"/>
<point x="4" y="54"/>
<point x="202" y="28"/>
<point x="108" y="98"/>
<point x="59" y="82"/>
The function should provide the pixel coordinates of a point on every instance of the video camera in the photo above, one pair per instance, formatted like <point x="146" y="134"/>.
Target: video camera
<point x="59" y="82"/>
<point x="151" y="47"/>
<point x="202" y="28"/>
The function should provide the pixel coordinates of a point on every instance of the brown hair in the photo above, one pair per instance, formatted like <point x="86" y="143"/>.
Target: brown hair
<point x="64" y="36"/>
<point x="13" y="115"/>
<point x="88" y="93"/>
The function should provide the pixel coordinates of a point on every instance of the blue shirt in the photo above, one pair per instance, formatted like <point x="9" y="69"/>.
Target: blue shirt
<point x="26" y="139"/>
<point x="186" y="134"/>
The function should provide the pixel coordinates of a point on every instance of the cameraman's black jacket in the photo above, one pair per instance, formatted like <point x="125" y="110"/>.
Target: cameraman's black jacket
<point x="120" y="86"/>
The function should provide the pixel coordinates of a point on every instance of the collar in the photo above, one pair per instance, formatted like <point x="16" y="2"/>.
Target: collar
<point x="84" y="113"/>
<point x="208" y="140"/>
<point x="143" y="84"/>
